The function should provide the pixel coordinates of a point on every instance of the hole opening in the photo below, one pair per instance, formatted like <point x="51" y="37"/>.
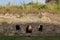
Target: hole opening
<point x="17" y="27"/>
<point x="29" y="29"/>
<point x="40" y="28"/>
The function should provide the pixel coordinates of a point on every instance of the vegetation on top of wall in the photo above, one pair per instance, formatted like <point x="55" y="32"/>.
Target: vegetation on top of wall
<point x="52" y="6"/>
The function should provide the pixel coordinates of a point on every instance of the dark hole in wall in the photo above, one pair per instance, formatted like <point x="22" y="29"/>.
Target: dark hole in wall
<point x="17" y="27"/>
<point x="29" y="29"/>
<point x="40" y="28"/>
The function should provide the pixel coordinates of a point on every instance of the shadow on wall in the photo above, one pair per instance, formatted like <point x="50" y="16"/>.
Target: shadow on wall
<point x="33" y="29"/>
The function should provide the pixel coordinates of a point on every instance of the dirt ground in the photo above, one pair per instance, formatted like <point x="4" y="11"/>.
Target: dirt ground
<point x="45" y="17"/>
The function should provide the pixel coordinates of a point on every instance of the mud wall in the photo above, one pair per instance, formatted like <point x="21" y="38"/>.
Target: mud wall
<point x="10" y="29"/>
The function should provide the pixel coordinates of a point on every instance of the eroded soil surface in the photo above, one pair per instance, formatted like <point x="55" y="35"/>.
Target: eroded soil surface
<point x="45" y="17"/>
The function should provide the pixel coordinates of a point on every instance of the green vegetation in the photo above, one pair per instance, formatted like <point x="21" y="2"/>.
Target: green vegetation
<point x="31" y="7"/>
<point x="40" y="6"/>
<point x="52" y="6"/>
<point x="30" y="38"/>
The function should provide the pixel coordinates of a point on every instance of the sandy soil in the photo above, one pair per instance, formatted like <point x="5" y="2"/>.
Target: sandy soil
<point x="45" y="17"/>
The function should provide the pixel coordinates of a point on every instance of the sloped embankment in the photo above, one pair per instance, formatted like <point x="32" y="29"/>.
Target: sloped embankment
<point x="49" y="21"/>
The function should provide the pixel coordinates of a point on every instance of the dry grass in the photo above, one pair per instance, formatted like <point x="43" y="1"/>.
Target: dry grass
<point x="29" y="8"/>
